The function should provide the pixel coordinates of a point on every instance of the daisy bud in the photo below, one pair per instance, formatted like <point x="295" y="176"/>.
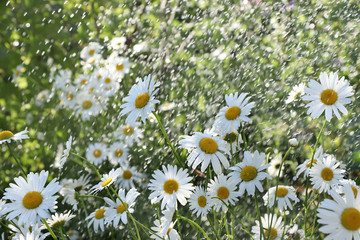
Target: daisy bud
<point x="293" y="142"/>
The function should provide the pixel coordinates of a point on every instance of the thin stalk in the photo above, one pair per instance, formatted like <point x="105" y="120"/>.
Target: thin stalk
<point x="178" y="223"/>
<point x="86" y="215"/>
<point x="307" y="178"/>
<point x="146" y="228"/>
<point x="283" y="233"/>
<point x="61" y="233"/>
<point x="259" y="216"/>
<point x="89" y="196"/>
<point x="89" y="163"/>
<point x="212" y="227"/>
<point x="49" y="229"/>
<point x="276" y="189"/>
<point x="17" y="160"/>
<point x="196" y="225"/>
<point x="168" y="141"/>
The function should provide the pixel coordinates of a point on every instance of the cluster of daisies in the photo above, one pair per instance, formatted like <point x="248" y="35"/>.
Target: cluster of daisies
<point x="28" y="202"/>
<point x="87" y="92"/>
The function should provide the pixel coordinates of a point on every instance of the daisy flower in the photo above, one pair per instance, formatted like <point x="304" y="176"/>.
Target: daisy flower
<point x="141" y="100"/>
<point x="7" y="136"/>
<point x="170" y="185"/>
<point x="283" y="196"/>
<point x="274" y="168"/>
<point x="340" y="188"/>
<point x="118" y="153"/>
<point x="274" y="231"/>
<point x="118" y="66"/>
<point x="295" y="233"/>
<point x="90" y="50"/>
<point x="117" y="209"/>
<point x="128" y="175"/>
<point x="340" y="215"/>
<point x="297" y="91"/>
<point x="330" y="95"/>
<point x="59" y="220"/>
<point x="205" y="148"/>
<point x="97" y="219"/>
<point x="129" y="133"/>
<point x="63" y="79"/>
<point x="96" y="153"/>
<point x="222" y="187"/>
<point x="250" y="172"/>
<point x="42" y="97"/>
<point x="237" y="109"/>
<point x="166" y="106"/>
<point x="199" y="202"/>
<point x="30" y="199"/>
<point x="87" y="106"/>
<point x="18" y="72"/>
<point x="68" y="97"/>
<point x="306" y="165"/>
<point x="170" y="233"/>
<point x="325" y="174"/>
<point x="117" y="43"/>
<point x="82" y="80"/>
<point x="66" y="152"/>
<point x="106" y="180"/>
<point x="72" y="187"/>
<point x="73" y="234"/>
<point x="108" y="85"/>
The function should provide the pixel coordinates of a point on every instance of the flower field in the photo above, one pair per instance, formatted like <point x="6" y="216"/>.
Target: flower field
<point x="179" y="119"/>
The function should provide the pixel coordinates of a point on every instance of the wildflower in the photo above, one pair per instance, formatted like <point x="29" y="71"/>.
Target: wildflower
<point x="97" y="219"/>
<point x="117" y="209"/>
<point x="30" y="200"/>
<point x="128" y="175"/>
<point x="306" y="165"/>
<point x="273" y="231"/>
<point x="170" y="185"/>
<point x="250" y="172"/>
<point x="330" y="96"/>
<point x="170" y="233"/>
<point x="200" y="202"/>
<point x="205" y="148"/>
<point x="293" y="142"/>
<point x="106" y="180"/>
<point x="87" y="106"/>
<point x="140" y="100"/>
<point x="223" y="188"/>
<point x="118" y="153"/>
<point x="283" y="196"/>
<point x="297" y="91"/>
<point x="66" y="152"/>
<point x="237" y="110"/>
<point x="118" y="66"/>
<point x="325" y="174"/>
<point x="7" y="136"/>
<point x="96" y="153"/>
<point x="129" y="133"/>
<point x="59" y="220"/>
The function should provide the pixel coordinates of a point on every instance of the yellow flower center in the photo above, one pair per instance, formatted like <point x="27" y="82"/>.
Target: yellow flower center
<point x="106" y="182"/>
<point x="128" y="130"/>
<point x="99" y="213"/>
<point x="248" y="173"/>
<point x="17" y="73"/>
<point x="273" y="233"/>
<point x="282" y="192"/>
<point x="119" y="67"/>
<point x="91" y="52"/>
<point x="327" y="174"/>
<point x="329" y="97"/>
<point x="121" y="208"/>
<point x="42" y="96"/>
<point x="202" y="201"/>
<point x="83" y="82"/>
<point x="350" y="219"/>
<point x="309" y="163"/>
<point x="127" y="174"/>
<point x="70" y="96"/>
<point x="354" y="190"/>
<point x="97" y="153"/>
<point x="142" y="100"/>
<point x="6" y="135"/>
<point x="91" y="90"/>
<point x="86" y="104"/>
<point x="223" y="192"/>
<point x="208" y="145"/>
<point x="107" y="80"/>
<point x="232" y="113"/>
<point x="32" y="200"/>
<point x="118" y="153"/>
<point x="170" y="186"/>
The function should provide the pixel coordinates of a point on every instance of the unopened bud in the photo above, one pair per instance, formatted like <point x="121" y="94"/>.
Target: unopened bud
<point x="293" y="142"/>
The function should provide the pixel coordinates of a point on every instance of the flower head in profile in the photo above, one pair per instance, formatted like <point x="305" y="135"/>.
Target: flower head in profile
<point x="117" y="209"/>
<point x="106" y="180"/>
<point x="295" y="93"/>
<point x="272" y="231"/>
<point x="330" y="95"/>
<point x="237" y="110"/>
<point x="170" y="185"/>
<point x="205" y="148"/>
<point x="141" y="100"/>
<point x="340" y="216"/>
<point x="8" y="136"/>
<point x="59" y="220"/>
<point x="283" y="196"/>
<point x="30" y="199"/>
<point x="66" y="153"/>
<point x="250" y="172"/>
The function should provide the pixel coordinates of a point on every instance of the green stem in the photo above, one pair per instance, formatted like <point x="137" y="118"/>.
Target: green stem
<point x="276" y="189"/>
<point x="61" y="233"/>
<point x="88" y="196"/>
<point x="86" y="215"/>
<point x="259" y="216"/>
<point x="168" y="141"/>
<point x="17" y="161"/>
<point x="212" y="227"/>
<point x="307" y="179"/>
<point x="49" y="229"/>
<point x="196" y="225"/>
<point x="178" y="223"/>
<point x="89" y="163"/>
